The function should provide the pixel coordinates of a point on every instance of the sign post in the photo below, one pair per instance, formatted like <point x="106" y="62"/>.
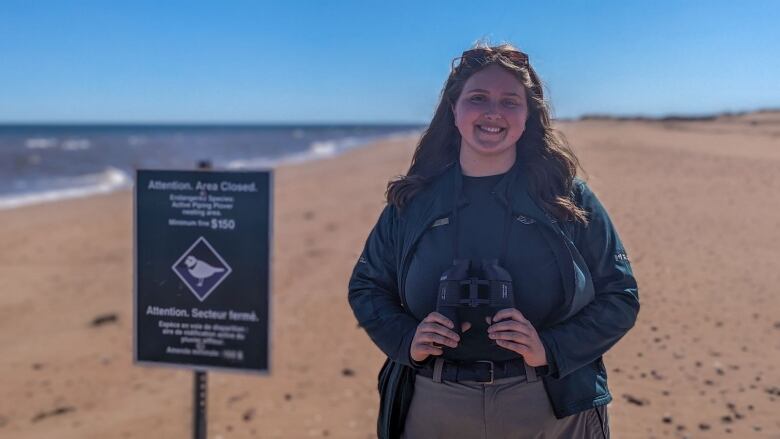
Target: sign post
<point x="202" y="273"/>
<point x="199" y="405"/>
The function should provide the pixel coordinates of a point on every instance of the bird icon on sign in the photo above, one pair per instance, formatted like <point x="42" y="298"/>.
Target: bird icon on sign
<point x="201" y="268"/>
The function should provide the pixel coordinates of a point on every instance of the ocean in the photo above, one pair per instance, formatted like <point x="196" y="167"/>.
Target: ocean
<point x="40" y="163"/>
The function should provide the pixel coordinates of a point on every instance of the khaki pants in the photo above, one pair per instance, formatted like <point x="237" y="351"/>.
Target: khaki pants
<point x="508" y="408"/>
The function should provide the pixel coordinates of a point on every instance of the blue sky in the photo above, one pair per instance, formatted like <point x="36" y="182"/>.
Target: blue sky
<point x="373" y="61"/>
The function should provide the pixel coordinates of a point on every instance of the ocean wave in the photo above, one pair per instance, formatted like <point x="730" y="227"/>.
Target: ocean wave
<point x="317" y="150"/>
<point x="41" y="142"/>
<point x="110" y="180"/>
<point x="323" y="149"/>
<point x="76" y="144"/>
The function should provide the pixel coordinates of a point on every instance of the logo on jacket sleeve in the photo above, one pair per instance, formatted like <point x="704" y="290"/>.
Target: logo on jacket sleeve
<point x="621" y="256"/>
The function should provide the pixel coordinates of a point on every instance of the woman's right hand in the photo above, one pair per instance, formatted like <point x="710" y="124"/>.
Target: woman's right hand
<point x="433" y="332"/>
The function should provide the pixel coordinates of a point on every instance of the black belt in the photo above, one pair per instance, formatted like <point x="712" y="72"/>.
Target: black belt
<point x="480" y="371"/>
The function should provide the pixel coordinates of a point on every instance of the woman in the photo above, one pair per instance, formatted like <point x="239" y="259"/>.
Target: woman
<point x="494" y="280"/>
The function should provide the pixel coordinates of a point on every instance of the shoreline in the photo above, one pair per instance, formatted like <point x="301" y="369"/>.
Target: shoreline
<point x="113" y="179"/>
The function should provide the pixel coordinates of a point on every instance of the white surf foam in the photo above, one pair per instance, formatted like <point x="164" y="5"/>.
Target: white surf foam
<point x="110" y="180"/>
<point x="76" y="144"/>
<point x="317" y="150"/>
<point x="41" y="142"/>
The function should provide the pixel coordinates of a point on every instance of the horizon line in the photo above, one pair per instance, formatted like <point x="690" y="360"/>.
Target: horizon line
<point x="583" y="116"/>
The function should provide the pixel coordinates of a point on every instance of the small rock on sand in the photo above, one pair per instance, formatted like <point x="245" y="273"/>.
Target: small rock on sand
<point x="634" y="400"/>
<point x="235" y="398"/>
<point x="56" y="412"/>
<point x="104" y="319"/>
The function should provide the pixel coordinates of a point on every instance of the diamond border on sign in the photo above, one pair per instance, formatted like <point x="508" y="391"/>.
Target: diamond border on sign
<point x="228" y="270"/>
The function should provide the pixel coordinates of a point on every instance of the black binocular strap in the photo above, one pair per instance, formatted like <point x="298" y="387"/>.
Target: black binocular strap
<point x="507" y="226"/>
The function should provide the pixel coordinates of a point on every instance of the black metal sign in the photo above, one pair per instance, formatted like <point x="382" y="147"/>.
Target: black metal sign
<point x="202" y="248"/>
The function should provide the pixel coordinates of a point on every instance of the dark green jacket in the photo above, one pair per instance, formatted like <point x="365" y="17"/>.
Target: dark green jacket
<point x="601" y="297"/>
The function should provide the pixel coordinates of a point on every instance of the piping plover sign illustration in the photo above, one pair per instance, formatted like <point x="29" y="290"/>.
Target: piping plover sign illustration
<point x="201" y="268"/>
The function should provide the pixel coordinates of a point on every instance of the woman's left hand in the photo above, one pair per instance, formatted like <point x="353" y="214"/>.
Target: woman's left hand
<point x="511" y="330"/>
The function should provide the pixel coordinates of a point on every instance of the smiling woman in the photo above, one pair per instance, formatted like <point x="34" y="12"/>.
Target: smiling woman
<point x="491" y="280"/>
<point x="507" y="73"/>
<point x="490" y="115"/>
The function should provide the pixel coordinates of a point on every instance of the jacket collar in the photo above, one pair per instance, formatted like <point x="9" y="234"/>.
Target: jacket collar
<point x="450" y="182"/>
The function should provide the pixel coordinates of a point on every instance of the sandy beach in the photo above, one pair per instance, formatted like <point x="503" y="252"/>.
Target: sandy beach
<point x="695" y="202"/>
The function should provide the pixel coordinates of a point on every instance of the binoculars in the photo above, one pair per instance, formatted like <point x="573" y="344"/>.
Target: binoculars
<point x="458" y="289"/>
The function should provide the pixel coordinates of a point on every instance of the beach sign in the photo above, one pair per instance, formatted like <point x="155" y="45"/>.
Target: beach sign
<point x="202" y="269"/>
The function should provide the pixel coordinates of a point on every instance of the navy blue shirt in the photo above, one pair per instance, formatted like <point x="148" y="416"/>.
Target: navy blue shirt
<point x="536" y="278"/>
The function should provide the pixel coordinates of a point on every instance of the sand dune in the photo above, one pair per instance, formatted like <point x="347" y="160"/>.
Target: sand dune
<point x="696" y="203"/>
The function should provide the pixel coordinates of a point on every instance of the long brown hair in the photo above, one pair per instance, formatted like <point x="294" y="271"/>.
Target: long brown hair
<point x="544" y="153"/>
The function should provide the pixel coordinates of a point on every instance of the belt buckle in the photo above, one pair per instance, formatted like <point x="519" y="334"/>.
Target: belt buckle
<point x="492" y="366"/>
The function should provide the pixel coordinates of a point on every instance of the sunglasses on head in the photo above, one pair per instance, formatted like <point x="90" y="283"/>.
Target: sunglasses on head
<point x="475" y="58"/>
